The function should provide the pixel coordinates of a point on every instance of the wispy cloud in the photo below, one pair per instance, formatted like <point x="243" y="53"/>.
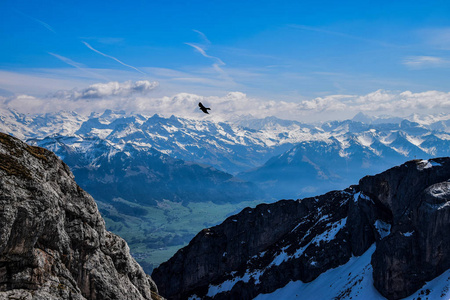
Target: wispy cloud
<point x="203" y="52"/>
<point x="67" y="61"/>
<point x="112" y="57"/>
<point x="438" y="38"/>
<point x="421" y="62"/>
<point x="203" y="36"/>
<point x="42" y="23"/>
<point x="344" y="35"/>
<point x="218" y="63"/>
<point x="77" y="65"/>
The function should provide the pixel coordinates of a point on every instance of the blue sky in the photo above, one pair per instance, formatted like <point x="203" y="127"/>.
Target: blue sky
<point x="273" y="50"/>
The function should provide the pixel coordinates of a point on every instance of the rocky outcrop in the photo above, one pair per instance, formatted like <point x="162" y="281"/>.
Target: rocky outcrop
<point x="53" y="241"/>
<point x="404" y="210"/>
<point x="417" y="197"/>
<point x="260" y="250"/>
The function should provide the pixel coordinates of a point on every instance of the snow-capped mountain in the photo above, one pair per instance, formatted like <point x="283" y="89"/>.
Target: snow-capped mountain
<point x="350" y="151"/>
<point x="288" y="159"/>
<point x="143" y="175"/>
<point x="222" y="145"/>
<point x="24" y="126"/>
<point x="131" y="162"/>
<point x="226" y="146"/>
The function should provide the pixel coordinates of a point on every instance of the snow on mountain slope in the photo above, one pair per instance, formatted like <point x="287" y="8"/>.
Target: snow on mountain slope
<point x="144" y="175"/>
<point x="271" y="151"/>
<point x="226" y="146"/>
<point x="354" y="281"/>
<point x="351" y="150"/>
<point x="27" y="126"/>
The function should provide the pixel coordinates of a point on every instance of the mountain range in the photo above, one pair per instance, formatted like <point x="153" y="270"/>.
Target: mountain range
<point x="383" y="238"/>
<point x="149" y="170"/>
<point x="275" y="154"/>
<point x="350" y="151"/>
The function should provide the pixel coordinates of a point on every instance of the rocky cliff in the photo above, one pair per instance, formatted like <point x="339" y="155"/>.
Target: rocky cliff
<point x="404" y="211"/>
<point x="53" y="241"/>
<point x="416" y="197"/>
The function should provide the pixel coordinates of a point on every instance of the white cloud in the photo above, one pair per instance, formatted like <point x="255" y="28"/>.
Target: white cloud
<point x="403" y="103"/>
<point x="139" y="97"/>
<point x="328" y="103"/>
<point x="36" y="82"/>
<point x="379" y="96"/>
<point x="96" y="97"/>
<point x="420" y="62"/>
<point x="109" y="89"/>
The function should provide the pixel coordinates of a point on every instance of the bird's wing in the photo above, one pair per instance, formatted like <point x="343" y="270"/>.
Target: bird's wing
<point x="201" y="105"/>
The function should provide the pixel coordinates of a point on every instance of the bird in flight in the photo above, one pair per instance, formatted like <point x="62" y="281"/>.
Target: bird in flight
<point x="203" y="108"/>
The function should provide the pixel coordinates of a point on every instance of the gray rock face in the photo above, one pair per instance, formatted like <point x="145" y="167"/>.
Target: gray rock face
<point x="417" y="194"/>
<point x="404" y="210"/>
<point x="53" y="241"/>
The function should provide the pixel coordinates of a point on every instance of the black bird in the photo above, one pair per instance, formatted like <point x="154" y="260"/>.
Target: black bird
<point x="203" y="109"/>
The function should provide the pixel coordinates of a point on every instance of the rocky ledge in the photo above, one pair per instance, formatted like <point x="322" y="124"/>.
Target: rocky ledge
<point x="53" y="241"/>
<point x="405" y="211"/>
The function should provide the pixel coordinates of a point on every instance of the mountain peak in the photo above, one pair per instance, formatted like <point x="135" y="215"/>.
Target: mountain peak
<point x="363" y="118"/>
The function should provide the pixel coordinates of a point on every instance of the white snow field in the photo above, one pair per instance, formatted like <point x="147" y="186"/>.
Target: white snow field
<point x="354" y="281"/>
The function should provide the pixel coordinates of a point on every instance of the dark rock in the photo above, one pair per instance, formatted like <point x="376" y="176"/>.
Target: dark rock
<point x="418" y="194"/>
<point x="53" y="241"/>
<point x="269" y="245"/>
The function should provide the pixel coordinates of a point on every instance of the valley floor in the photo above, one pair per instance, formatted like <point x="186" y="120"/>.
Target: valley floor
<point x="156" y="233"/>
